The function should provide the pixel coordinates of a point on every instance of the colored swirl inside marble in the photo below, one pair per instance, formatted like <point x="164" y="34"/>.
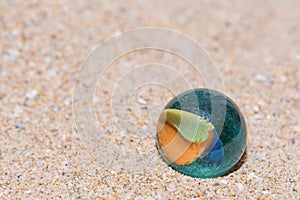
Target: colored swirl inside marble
<point x="191" y="139"/>
<point x="184" y="136"/>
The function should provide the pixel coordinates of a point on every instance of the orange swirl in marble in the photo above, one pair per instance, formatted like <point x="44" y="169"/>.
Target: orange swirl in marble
<point x="184" y="136"/>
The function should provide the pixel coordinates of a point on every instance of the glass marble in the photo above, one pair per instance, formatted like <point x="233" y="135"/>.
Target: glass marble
<point x="201" y="133"/>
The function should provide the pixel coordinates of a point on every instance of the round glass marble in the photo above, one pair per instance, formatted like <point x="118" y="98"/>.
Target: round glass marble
<point x="201" y="133"/>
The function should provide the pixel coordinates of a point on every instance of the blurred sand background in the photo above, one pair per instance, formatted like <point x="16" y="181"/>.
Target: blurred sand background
<point x="255" y="44"/>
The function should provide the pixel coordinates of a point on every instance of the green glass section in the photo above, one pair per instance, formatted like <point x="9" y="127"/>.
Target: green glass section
<point x="229" y="129"/>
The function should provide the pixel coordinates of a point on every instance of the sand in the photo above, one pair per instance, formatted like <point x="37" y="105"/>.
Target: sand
<point x="255" y="46"/>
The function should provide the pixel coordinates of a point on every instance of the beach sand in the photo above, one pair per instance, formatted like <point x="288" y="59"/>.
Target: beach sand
<point x="254" y="44"/>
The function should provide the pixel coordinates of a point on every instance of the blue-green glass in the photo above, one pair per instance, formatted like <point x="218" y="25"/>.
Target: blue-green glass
<point x="230" y="132"/>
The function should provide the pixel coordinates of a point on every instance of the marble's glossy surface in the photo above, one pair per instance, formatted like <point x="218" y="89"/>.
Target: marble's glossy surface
<point x="201" y="133"/>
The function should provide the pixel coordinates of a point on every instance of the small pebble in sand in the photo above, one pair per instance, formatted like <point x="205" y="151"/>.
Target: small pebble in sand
<point x="240" y="186"/>
<point x="67" y="102"/>
<point x="96" y="99"/>
<point x="116" y="119"/>
<point x="252" y="176"/>
<point x="181" y="19"/>
<point x="283" y="79"/>
<point x="255" y="109"/>
<point x="141" y="101"/>
<point x="257" y="117"/>
<point x="31" y="94"/>
<point x="3" y="74"/>
<point x="260" y="78"/>
<point x="123" y="133"/>
<point x="224" y="182"/>
<point x="17" y="111"/>
<point x="118" y="34"/>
